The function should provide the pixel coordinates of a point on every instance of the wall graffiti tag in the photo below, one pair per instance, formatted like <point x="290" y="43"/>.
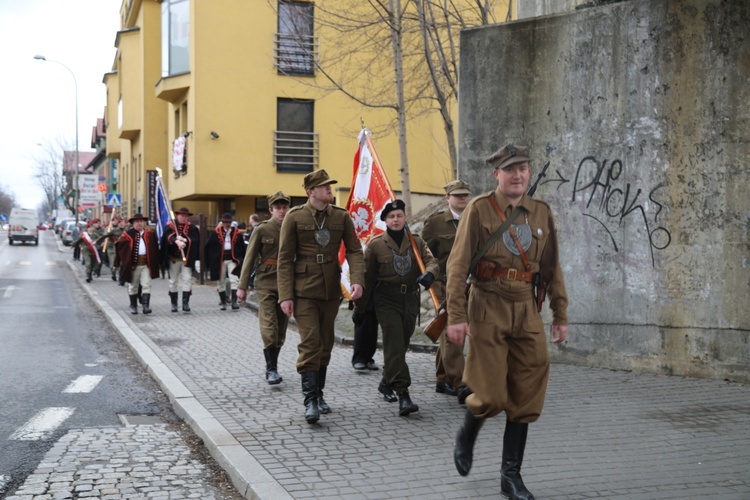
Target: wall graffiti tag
<point x="608" y="200"/>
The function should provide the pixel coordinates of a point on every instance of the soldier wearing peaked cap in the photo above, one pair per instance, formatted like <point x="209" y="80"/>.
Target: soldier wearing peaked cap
<point x="180" y="238"/>
<point x="109" y="239"/>
<point x="259" y="273"/>
<point x="393" y="276"/>
<point x="309" y="280"/>
<point x="439" y="232"/>
<point x="225" y="251"/>
<point x="507" y="365"/>
<point x="138" y="257"/>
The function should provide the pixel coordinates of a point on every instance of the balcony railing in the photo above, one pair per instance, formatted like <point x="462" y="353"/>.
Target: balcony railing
<point x="295" y="151"/>
<point x="295" y="54"/>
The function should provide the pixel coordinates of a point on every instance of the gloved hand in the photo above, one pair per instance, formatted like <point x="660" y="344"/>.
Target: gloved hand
<point x="358" y="319"/>
<point x="426" y="280"/>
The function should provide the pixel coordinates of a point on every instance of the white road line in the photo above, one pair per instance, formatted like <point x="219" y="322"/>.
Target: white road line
<point x="51" y="263"/>
<point x="42" y="425"/>
<point x="24" y="263"/>
<point x="84" y="383"/>
<point x="8" y="291"/>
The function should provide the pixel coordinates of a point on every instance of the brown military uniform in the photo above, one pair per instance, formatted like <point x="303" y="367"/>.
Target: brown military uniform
<point x="309" y="273"/>
<point x="396" y="300"/>
<point x="507" y="365"/>
<point x="439" y="233"/>
<point x="263" y="250"/>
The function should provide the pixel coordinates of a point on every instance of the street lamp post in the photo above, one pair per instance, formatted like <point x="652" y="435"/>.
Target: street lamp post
<point x="75" y="172"/>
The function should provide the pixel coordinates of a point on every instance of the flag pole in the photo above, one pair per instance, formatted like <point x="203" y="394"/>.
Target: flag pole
<point x="417" y="255"/>
<point x="160" y="187"/>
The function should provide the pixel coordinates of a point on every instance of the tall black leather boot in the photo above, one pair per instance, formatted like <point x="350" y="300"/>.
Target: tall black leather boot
<point x="223" y="301"/>
<point x="514" y="444"/>
<point x="186" y="301"/>
<point x="88" y="276"/>
<point x="463" y="454"/>
<point x="146" y="301"/>
<point x="133" y="304"/>
<point x="322" y="405"/>
<point x="173" y="300"/>
<point x="405" y="404"/>
<point x="310" y="392"/>
<point x="235" y="305"/>
<point x="272" y="355"/>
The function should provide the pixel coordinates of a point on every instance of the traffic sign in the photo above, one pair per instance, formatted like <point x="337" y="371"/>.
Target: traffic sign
<point x="114" y="200"/>
<point x="3" y="217"/>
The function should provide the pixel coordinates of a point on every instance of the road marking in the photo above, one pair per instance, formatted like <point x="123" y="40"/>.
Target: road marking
<point x="51" y="263"/>
<point x="84" y="383"/>
<point x="42" y="425"/>
<point x="8" y="291"/>
<point x="24" y="263"/>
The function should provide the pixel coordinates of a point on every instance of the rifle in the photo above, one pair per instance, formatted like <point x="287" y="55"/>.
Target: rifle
<point x="435" y="327"/>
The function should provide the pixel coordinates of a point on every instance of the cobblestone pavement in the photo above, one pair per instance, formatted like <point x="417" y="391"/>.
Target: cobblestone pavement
<point x="139" y="461"/>
<point x="603" y="434"/>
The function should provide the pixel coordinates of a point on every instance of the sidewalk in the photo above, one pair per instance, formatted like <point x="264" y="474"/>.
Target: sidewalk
<point x="604" y="434"/>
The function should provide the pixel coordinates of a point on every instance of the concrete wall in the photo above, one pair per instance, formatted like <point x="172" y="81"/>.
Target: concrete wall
<point x="641" y="108"/>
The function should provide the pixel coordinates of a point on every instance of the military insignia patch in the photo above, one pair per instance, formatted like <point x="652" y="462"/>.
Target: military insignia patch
<point x="523" y="231"/>
<point x="402" y="265"/>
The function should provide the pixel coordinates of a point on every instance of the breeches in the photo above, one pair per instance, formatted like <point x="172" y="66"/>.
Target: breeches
<point x="227" y="266"/>
<point x="315" y="321"/>
<point x="397" y="315"/>
<point x="180" y="277"/>
<point x="273" y="321"/>
<point x="449" y="359"/>
<point x="507" y="365"/>
<point x="141" y="277"/>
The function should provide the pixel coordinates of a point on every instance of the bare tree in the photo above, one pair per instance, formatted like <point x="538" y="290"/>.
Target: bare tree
<point x="7" y="200"/>
<point x="50" y="174"/>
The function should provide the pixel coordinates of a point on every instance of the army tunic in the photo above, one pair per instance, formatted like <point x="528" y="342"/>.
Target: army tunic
<point x="396" y="300"/>
<point x="507" y="365"/>
<point x="263" y="251"/>
<point x="309" y="273"/>
<point x="439" y="233"/>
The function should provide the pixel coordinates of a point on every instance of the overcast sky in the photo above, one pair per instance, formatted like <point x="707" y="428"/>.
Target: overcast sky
<point x="37" y="98"/>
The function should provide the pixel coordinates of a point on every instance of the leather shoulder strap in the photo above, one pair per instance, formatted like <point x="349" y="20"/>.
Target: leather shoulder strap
<point x="513" y="235"/>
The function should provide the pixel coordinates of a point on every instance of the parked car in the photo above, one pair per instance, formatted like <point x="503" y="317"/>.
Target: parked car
<point x="69" y="233"/>
<point x="60" y="225"/>
<point x="23" y="226"/>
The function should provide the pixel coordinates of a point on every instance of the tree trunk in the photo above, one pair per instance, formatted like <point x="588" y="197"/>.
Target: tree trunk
<point x="398" y="64"/>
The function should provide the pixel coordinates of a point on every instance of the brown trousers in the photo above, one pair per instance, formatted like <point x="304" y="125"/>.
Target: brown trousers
<point x="449" y="359"/>
<point x="315" y="321"/>
<point x="507" y="365"/>
<point x="273" y="322"/>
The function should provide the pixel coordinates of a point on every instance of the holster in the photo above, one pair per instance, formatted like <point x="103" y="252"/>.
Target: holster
<point x="484" y="270"/>
<point x="540" y="291"/>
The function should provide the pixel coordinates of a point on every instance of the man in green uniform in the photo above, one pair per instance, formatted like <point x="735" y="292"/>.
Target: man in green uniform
<point x="393" y="276"/>
<point x="262" y="259"/>
<point x="507" y="365"/>
<point x="439" y="232"/>
<point x="97" y="234"/>
<point x="108" y="240"/>
<point x="309" y="280"/>
<point x="89" y="250"/>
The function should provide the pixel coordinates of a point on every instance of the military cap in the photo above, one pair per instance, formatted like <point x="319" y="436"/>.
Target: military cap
<point x="137" y="217"/>
<point x="317" y="178"/>
<point x="457" y="187"/>
<point x="391" y="206"/>
<point x="183" y="211"/>
<point x="95" y="220"/>
<point x="508" y="155"/>
<point x="277" y="197"/>
<point x="227" y="217"/>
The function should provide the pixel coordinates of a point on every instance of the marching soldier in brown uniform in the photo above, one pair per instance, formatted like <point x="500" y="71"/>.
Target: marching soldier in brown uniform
<point x="180" y="239"/>
<point x="138" y="258"/>
<point x="259" y="273"/>
<point x="225" y="251"/>
<point x="309" y="279"/>
<point x="507" y="365"/>
<point x="439" y="232"/>
<point x="109" y="239"/>
<point x="392" y="273"/>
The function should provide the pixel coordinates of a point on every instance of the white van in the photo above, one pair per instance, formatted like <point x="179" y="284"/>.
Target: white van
<point x="22" y="226"/>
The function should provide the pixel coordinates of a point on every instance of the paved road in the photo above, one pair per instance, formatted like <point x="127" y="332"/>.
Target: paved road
<point x="604" y="434"/>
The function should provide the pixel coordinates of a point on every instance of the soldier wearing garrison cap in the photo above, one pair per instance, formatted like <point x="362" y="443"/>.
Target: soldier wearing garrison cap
<point x="439" y="232"/>
<point x="179" y="246"/>
<point x="259" y="274"/>
<point x="507" y="365"/>
<point x="108" y="240"/>
<point x="392" y="279"/>
<point x="225" y="251"/>
<point x="309" y="280"/>
<point x="138" y="257"/>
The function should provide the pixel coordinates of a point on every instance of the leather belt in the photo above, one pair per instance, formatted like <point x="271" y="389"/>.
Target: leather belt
<point x="227" y="255"/>
<point x="318" y="258"/>
<point x="270" y="262"/>
<point x="142" y="261"/>
<point x="509" y="274"/>
<point x="401" y="288"/>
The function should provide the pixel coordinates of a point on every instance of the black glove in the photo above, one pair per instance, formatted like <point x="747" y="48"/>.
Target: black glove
<point x="426" y="280"/>
<point x="358" y="319"/>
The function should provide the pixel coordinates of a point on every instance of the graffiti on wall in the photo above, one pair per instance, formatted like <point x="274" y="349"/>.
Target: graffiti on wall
<point x="609" y="200"/>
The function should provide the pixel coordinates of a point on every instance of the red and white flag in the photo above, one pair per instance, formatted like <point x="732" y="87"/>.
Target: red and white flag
<point x="370" y="192"/>
<point x="90" y="243"/>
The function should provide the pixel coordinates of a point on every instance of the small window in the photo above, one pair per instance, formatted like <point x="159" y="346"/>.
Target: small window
<point x="295" y="48"/>
<point x="296" y="144"/>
